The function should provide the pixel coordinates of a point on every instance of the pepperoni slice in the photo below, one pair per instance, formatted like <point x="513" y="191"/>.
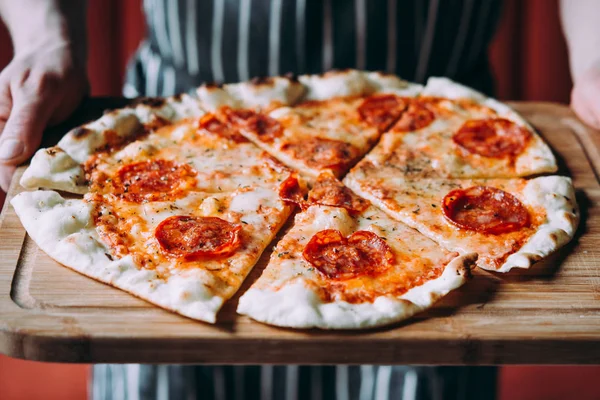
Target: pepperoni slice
<point x="337" y="257"/>
<point x="155" y="180"/>
<point x="494" y="137"/>
<point x="381" y="110"/>
<point x="290" y="191"/>
<point x="323" y="153"/>
<point x="329" y="191"/>
<point x="192" y="238"/>
<point x="265" y="128"/>
<point x="416" y="116"/>
<point x="214" y="125"/>
<point x="485" y="209"/>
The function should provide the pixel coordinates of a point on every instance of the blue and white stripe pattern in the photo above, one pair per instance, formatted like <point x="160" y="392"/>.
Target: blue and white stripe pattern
<point x="199" y="41"/>
<point x="292" y="382"/>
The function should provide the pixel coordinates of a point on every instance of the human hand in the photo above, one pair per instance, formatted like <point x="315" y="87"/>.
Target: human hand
<point x="41" y="86"/>
<point x="585" y="96"/>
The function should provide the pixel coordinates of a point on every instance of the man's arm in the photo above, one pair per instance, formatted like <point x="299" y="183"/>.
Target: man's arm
<point x="581" y="24"/>
<point x="46" y="79"/>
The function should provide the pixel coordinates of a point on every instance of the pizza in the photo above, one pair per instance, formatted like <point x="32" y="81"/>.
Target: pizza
<point x="337" y="120"/>
<point x="177" y="208"/>
<point x="420" y="172"/>
<point x="508" y="222"/>
<point x="346" y="264"/>
<point x="175" y="199"/>
<point x="450" y="131"/>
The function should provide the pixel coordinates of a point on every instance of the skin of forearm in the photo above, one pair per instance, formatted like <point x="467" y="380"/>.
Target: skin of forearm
<point x="581" y="25"/>
<point x="35" y="23"/>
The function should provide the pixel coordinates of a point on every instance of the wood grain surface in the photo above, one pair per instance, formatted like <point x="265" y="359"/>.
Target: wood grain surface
<point x="548" y="314"/>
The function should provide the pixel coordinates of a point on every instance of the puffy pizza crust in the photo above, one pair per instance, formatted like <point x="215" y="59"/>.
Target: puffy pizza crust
<point x="334" y="84"/>
<point x="287" y="91"/>
<point x="444" y="87"/>
<point x="298" y="306"/>
<point x="380" y="82"/>
<point x="257" y="93"/>
<point x="53" y="168"/>
<point x="60" y="168"/>
<point x="353" y="82"/>
<point x="64" y="230"/>
<point x="555" y="195"/>
<point x="173" y="108"/>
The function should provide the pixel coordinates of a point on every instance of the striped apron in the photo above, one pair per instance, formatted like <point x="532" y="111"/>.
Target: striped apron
<point x="190" y="42"/>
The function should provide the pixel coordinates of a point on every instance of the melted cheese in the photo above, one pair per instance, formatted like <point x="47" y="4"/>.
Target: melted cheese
<point x="323" y="217"/>
<point x="437" y="155"/>
<point x="417" y="258"/>
<point x="335" y="119"/>
<point x="418" y="203"/>
<point x="233" y="181"/>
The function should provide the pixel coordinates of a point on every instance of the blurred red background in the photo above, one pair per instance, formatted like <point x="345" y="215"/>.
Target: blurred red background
<point x="529" y="59"/>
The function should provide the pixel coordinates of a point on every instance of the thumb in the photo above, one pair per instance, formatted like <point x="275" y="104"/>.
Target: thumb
<point x="583" y="111"/>
<point x="591" y="93"/>
<point x="6" y="173"/>
<point x="22" y="132"/>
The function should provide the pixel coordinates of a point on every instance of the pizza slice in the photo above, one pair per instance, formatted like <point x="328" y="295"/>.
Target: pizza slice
<point x="337" y="120"/>
<point x="176" y="213"/>
<point x="345" y="265"/>
<point x="450" y="131"/>
<point x="61" y="167"/>
<point x="509" y="222"/>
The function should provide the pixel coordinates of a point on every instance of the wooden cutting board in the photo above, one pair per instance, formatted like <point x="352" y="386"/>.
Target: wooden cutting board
<point x="549" y="314"/>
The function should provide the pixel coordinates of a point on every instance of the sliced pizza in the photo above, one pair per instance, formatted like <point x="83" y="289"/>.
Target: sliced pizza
<point x="61" y="167"/>
<point x="508" y="222"/>
<point x="338" y="120"/>
<point x="181" y="196"/>
<point x="177" y="214"/>
<point x="450" y="131"/>
<point x="346" y="265"/>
